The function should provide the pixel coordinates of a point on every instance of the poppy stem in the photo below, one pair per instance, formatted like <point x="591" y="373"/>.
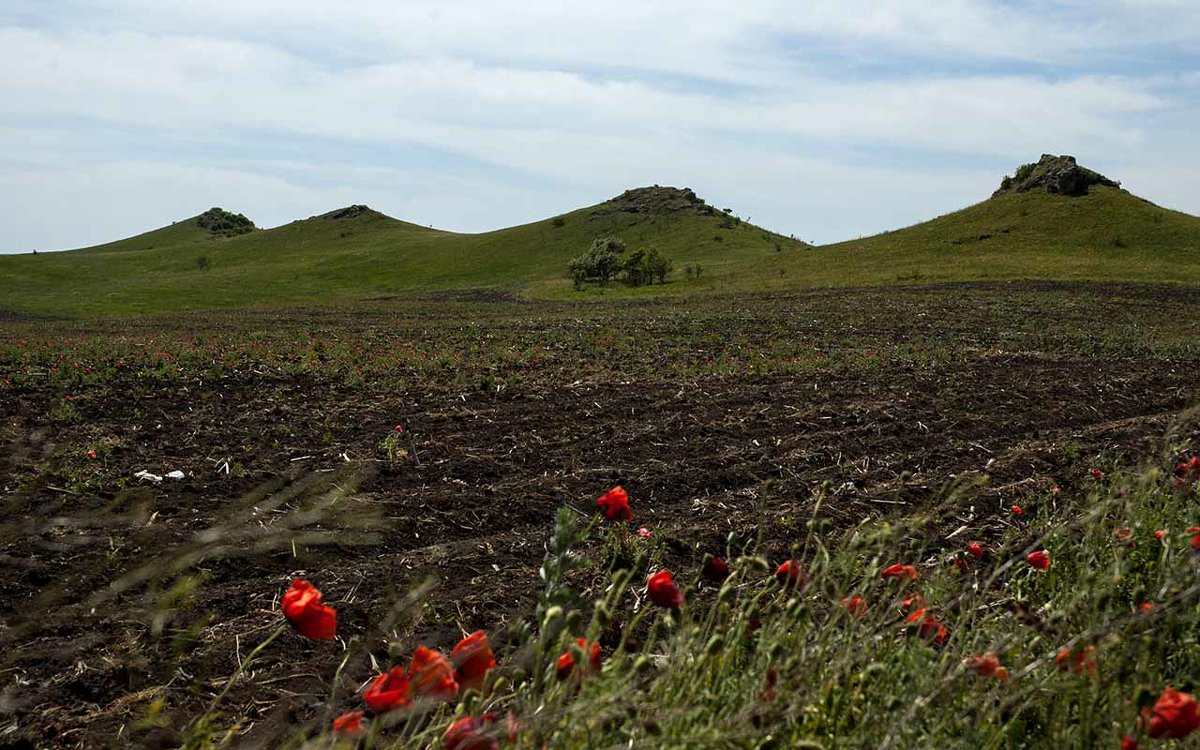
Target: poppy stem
<point x="337" y="675"/>
<point x="245" y="663"/>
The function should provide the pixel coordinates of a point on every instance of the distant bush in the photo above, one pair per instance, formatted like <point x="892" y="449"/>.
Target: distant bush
<point x="220" y="221"/>
<point x="202" y="263"/>
<point x="558" y="221"/>
<point x="601" y="263"/>
<point x="607" y="260"/>
<point x="1023" y="172"/>
<point x="645" y="267"/>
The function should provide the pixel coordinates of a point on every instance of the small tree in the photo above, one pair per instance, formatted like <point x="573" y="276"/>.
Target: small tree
<point x="202" y="263"/>
<point x="659" y="266"/>
<point x="637" y="271"/>
<point x="602" y="262"/>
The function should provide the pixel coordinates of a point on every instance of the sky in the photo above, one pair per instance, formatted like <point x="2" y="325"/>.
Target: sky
<point x="823" y="119"/>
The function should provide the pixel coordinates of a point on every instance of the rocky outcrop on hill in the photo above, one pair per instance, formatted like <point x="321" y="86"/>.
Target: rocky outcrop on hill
<point x="1057" y="175"/>
<point x="655" y="200"/>
<point x="349" y="212"/>
<point x="220" y="221"/>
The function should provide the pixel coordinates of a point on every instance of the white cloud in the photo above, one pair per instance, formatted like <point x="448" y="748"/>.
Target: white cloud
<point x="536" y="103"/>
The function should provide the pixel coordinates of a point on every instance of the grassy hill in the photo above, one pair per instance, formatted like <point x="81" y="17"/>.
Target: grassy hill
<point x="1107" y="234"/>
<point x="1051" y="220"/>
<point x="357" y="253"/>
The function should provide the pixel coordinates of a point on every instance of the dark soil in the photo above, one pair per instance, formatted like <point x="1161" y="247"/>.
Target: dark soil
<point x="123" y="592"/>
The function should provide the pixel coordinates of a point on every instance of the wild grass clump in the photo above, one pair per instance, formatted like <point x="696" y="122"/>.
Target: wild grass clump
<point x="1060" y="624"/>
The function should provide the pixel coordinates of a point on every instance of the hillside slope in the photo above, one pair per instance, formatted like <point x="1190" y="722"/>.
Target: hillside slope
<point x="1025" y="231"/>
<point x="1052" y="220"/>
<point x="355" y="253"/>
<point x="1108" y="234"/>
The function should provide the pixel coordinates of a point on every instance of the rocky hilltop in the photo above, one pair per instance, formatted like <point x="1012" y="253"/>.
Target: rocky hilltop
<point x="655" y="200"/>
<point x="1057" y="175"/>
<point x="349" y="212"/>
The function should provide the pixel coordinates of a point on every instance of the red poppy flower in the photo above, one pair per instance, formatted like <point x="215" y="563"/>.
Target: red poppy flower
<point x="715" y="569"/>
<point x="389" y="691"/>
<point x="1189" y="469"/>
<point x="398" y="429"/>
<point x="1124" y="535"/>
<point x="1097" y="474"/>
<point x="1195" y="539"/>
<point x="1017" y="510"/>
<point x="1129" y="742"/>
<point x="1159" y="535"/>
<point x="91" y="455"/>
<point x="984" y="666"/>
<point x="302" y="607"/>
<point x="644" y="533"/>
<point x="432" y="675"/>
<point x="900" y="572"/>
<point x="1001" y="674"/>
<point x="1039" y="559"/>
<point x="614" y="504"/>
<point x="791" y="574"/>
<point x="975" y="549"/>
<point x="663" y="591"/>
<point x="472" y="733"/>
<point x="472" y="658"/>
<point x="1175" y="715"/>
<point x="961" y="563"/>
<point x="912" y="600"/>
<point x="349" y="725"/>
<point x="1081" y="660"/>
<point x="566" y="662"/>
<point x="1146" y="607"/>
<point x="855" y="605"/>
<point x="929" y="628"/>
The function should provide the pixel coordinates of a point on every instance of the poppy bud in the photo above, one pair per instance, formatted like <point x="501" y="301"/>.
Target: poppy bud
<point x="602" y="615"/>
<point x="754" y="563"/>
<point x="552" y="616"/>
<point x="574" y="621"/>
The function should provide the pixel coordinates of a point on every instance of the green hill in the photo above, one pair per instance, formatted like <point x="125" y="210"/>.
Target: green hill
<point x="1051" y="220"/>
<point x="1107" y="234"/>
<point x="357" y="252"/>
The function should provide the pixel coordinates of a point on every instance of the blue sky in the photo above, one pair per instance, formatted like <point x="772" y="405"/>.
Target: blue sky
<point x="823" y="119"/>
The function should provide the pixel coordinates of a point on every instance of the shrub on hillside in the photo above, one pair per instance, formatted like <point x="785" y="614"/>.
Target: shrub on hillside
<point x="220" y="221"/>
<point x="607" y="259"/>
<point x="643" y="267"/>
<point x="601" y="263"/>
